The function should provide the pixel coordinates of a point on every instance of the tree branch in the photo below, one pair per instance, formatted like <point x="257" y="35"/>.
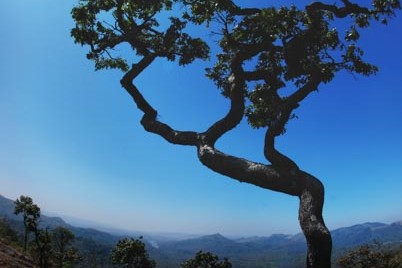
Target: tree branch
<point x="276" y="158"/>
<point x="243" y="170"/>
<point x="341" y="12"/>
<point x="236" y="112"/>
<point x="244" y="11"/>
<point x="281" y="162"/>
<point x="268" y="76"/>
<point x="294" y="99"/>
<point x="169" y="134"/>
<point x="127" y="83"/>
<point x="149" y="120"/>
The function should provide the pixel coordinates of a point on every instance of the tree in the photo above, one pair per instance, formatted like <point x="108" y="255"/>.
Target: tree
<point x="92" y="260"/>
<point x="131" y="253"/>
<point x="31" y="215"/>
<point x="41" y="243"/>
<point x="206" y="260"/>
<point x="292" y="48"/>
<point x="64" y="253"/>
<point x="41" y="247"/>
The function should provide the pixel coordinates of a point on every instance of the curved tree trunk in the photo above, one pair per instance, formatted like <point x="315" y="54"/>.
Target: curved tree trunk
<point x="298" y="183"/>
<point x="283" y="175"/>
<point x="318" y="237"/>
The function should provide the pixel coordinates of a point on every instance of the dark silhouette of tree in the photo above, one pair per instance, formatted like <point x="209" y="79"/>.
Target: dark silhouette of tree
<point x="46" y="245"/>
<point x="64" y="253"/>
<point x="93" y="260"/>
<point x="41" y="248"/>
<point x="206" y="260"/>
<point x="131" y="253"/>
<point x="295" y="48"/>
<point x="31" y="215"/>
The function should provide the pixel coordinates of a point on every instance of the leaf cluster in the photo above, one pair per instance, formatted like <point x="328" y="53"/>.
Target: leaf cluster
<point x="47" y="247"/>
<point x="103" y="25"/>
<point x="206" y="260"/>
<point x="131" y="252"/>
<point x="293" y="46"/>
<point x="286" y="47"/>
<point x="31" y="212"/>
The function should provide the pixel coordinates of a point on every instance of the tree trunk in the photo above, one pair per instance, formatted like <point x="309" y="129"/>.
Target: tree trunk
<point x="25" y="238"/>
<point x="25" y="232"/>
<point x="296" y="183"/>
<point x="319" y="242"/>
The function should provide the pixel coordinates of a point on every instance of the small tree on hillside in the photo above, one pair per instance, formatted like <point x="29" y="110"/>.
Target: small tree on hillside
<point x="263" y="51"/>
<point x="41" y="247"/>
<point x="31" y="214"/>
<point x="64" y="254"/>
<point x="131" y="253"/>
<point x="206" y="260"/>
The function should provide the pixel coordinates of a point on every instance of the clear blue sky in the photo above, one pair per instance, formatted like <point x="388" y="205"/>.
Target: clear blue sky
<point x="70" y="137"/>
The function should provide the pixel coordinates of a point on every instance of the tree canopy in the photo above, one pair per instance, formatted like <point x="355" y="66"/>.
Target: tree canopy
<point x="130" y="252"/>
<point x="287" y="45"/>
<point x="206" y="260"/>
<point x="31" y="215"/>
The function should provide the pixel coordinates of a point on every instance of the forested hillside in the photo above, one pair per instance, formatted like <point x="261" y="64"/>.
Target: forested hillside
<point x="249" y="252"/>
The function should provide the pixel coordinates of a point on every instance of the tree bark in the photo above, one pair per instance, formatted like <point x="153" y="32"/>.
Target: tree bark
<point x="25" y="233"/>
<point x="318" y="237"/>
<point x="298" y="183"/>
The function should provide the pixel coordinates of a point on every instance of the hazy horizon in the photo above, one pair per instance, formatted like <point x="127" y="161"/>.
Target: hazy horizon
<point x="71" y="139"/>
<point x="88" y="223"/>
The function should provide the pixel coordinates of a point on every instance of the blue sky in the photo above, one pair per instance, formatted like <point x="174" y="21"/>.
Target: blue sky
<point x="70" y="137"/>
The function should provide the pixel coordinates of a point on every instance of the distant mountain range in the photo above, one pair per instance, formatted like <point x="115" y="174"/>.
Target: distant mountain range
<point x="280" y="250"/>
<point x="286" y="251"/>
<point x="7" y="211"/>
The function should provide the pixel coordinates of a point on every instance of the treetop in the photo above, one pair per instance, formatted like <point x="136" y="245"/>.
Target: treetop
<point x="282" y="47"/>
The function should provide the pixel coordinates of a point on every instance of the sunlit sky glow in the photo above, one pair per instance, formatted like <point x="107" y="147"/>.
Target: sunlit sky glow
<point x="70" y="137"/>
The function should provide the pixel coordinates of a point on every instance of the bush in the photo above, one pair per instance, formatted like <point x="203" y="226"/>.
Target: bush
<point x="206" y="260"/>
<point x="371" y="256"/>
<point x="131" y="253"/>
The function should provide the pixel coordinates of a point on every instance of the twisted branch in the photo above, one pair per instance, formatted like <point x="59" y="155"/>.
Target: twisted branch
<point x="340" y="12"/>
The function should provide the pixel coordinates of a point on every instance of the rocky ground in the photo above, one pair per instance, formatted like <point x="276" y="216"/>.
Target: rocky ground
<point x="13" y="258"/>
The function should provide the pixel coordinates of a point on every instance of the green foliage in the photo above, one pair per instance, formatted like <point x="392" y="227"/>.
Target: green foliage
<point x="371" y="256"/>
<point x="49" y="248"/>
<point x="290" y="45"/>
<point x="206" y="260"/>
<point x="103" y="25"/>
<point x="30" y="211"/>
<point x="31" y="214"/>
<point x="266" y="108"/>
<point x="283" y="47"/>
<point x="95" y="253"/>
<point x="202" y="11"/>
<point x="40" y="248"/>
<point x="131" y="253"/>
<point x="64" y="254"/>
